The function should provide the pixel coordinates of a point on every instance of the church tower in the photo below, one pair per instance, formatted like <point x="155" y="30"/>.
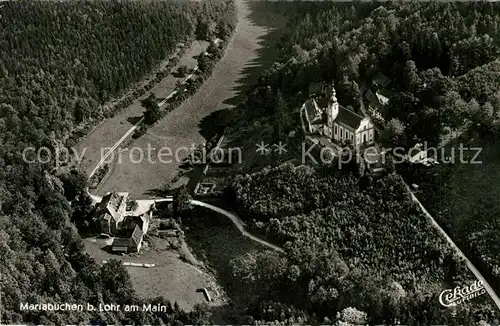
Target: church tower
<point x="332" y="109"/>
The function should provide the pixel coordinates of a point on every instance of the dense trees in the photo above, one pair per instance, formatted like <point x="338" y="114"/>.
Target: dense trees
<point x="60" y="62"/>
<point x="371" y="249"/>
<point x="441" y="59"/>
<point x="77" y="56"/>
<point x="439" y="56"/>
<point x="463" y="198"/>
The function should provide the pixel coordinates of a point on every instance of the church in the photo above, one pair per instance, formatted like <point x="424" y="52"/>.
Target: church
<point x="321" y="114"/>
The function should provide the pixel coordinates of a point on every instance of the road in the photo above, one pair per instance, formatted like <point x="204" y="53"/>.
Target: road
<point x="112" y="149"/>
<point x="132" y="129"/>
<point x="469" y="264"/>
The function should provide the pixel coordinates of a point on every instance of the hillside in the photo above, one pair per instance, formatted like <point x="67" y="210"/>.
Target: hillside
<point x="61" y="62"/>
<point x="343" y="239"/>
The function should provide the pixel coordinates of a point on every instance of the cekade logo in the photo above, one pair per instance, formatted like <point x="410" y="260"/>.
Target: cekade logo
<point x="453" y="297"/>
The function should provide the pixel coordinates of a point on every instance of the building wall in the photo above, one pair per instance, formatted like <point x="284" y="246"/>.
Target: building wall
<point x="342" y="132"/>
<point x="120" y="249"/>
<point x="365" y="132"/>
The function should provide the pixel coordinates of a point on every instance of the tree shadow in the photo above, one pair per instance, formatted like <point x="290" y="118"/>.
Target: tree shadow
<point x="193" y="174"/>
<point x="262" y="15"/>
<point x="157" y="192"/>
<point x="214" y="123"/>
<point x="177" y="74"/>
<point x="134" y="120"/>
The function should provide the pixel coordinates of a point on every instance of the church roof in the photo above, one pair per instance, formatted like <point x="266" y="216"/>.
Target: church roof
<point x="348" y="117"/>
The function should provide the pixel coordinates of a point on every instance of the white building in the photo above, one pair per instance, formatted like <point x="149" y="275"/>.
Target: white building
<point x="416" y="154"/>
<point x="323" y="115"/>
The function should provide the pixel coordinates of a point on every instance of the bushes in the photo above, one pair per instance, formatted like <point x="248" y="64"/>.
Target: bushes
<point x="98" y="176"/>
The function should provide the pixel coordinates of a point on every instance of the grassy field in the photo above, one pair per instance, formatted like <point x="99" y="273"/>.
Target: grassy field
<point x="171" y="278"/>
<point x="248" y="53"/>
<point x="108" y="132"/>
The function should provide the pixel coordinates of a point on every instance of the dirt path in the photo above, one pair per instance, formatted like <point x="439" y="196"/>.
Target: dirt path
<point x="246" y="55"/>
<point x="238" y="223"/>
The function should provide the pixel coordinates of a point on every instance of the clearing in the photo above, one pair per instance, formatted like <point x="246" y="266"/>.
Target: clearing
<point x="109" y="131"/>
<point x="171" y="277"/>
<point x="215" y="240"/>
<point x="250" y="51"/>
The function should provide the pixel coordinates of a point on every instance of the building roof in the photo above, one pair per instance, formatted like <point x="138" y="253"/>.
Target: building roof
<point x="348" y="117"/>
<point x="136" y="237"/>
<point x="110" y="204"/>
<point x="313" y="112"/>
<point x="381" y="98"/>
<point x="416" y="151"/>
<point x="105" y="200"/>
<point x="132" y="221"/>
<point x="384" y="92"/>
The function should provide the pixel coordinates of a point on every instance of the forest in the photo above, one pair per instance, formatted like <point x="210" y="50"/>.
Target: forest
<point x="440" y="58"/>
<point x="370" y="249"/>
<point x="61" y="62"/>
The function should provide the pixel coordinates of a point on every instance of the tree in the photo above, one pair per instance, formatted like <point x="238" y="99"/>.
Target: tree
<point x="82" y="209"/>
<point x="281" y="117"/>
<point x="393" y="133"/>
<point x="202" y="62"/>
<point x="351" y="316"/>
<point x="181" y="201"/>
<point x="152" y="113"/>
<point x="133" y="205"/>
<point x="206" y="29"/>
<point x="212" y="48"/>
<point x="410" y="75"/>
<point x="182" y="71"/>
<point x="74" y="183"/>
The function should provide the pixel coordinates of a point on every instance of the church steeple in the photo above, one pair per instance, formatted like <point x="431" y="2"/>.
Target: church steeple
<point x="333" y="105"/>
<point x="333" y="98"/>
